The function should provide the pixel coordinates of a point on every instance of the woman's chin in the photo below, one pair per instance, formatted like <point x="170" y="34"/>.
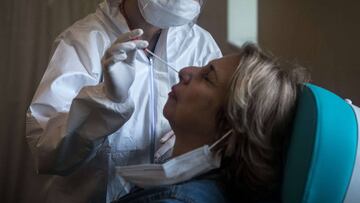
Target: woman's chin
<point x="167" y="111"/>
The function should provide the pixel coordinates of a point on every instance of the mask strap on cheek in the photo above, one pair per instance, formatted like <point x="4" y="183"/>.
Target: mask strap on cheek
<point x="221" y="139"/>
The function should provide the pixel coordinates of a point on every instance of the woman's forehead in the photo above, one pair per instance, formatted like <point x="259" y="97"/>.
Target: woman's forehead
<point x="226" y="63"/>
<point x="227" y="60"/>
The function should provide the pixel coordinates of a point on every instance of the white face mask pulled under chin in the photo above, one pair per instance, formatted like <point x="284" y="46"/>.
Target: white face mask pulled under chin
<point x="169" y="13"/>
<point x="176" y="170"/>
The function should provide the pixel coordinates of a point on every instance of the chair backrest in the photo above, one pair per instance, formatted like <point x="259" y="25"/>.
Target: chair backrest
<point x="323" y="159"/>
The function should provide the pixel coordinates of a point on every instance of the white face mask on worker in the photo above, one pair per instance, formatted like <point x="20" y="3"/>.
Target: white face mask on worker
<point x="177" y="169"/>
<point x="169" y="13"/>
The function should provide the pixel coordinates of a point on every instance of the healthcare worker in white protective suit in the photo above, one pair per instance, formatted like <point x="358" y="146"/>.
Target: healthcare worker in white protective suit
<point x="99" y="103"/>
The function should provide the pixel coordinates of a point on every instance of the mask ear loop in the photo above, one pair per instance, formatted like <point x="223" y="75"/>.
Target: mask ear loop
<point x="221" y="139"/>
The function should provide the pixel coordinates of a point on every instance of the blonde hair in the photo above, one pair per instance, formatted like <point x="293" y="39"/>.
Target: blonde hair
<point x="260" y="104"/>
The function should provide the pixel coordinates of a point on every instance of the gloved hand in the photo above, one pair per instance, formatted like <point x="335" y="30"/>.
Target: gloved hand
<point x="118" y="64"/>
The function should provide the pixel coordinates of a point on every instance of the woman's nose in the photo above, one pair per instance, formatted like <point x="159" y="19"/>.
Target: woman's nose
<point x="185" y="75"/>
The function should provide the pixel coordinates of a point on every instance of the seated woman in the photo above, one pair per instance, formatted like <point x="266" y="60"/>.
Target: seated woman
<point x="243" y="106"/>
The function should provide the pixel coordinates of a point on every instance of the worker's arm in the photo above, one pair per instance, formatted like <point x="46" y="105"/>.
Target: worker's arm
<point x="72" y="113"/>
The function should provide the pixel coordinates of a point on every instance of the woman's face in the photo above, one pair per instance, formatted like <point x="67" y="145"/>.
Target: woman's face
<point x="194" y="102"/>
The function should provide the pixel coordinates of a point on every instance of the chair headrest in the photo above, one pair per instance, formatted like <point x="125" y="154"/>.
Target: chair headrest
<point x="322" y="150"/>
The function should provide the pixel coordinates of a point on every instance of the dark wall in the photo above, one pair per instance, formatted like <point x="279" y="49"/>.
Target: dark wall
<point x="214" y="19"/>
<point x="320" y="35"/>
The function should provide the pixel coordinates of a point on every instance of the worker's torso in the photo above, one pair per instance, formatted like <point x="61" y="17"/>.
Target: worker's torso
<point x="137" y="140"/>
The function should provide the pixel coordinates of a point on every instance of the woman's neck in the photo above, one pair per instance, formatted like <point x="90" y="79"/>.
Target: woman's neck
<point x="135" y="20"/>
<point x="186" y="141"/>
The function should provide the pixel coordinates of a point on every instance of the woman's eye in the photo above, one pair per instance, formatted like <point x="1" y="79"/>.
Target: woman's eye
<point x="207" y="78"/>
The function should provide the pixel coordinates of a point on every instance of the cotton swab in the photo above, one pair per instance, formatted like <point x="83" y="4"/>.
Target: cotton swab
<point x="160" y="59"/>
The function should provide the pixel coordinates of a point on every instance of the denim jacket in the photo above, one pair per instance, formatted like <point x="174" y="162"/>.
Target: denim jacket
<point x="193" y="191"/>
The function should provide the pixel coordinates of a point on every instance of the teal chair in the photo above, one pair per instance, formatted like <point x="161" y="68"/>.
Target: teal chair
<point x="323" y="158"/>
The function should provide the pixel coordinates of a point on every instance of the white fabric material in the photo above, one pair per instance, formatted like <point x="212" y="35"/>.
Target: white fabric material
<point x="176" y="170"/>
<point x="165" y="151"/>
<point x="169" y="13"/>
<point x="70" y="111"/>
<point x="353" y="194"/>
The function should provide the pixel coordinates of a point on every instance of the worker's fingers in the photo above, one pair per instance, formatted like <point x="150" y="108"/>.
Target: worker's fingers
<point x="108" y="62"/>
<point x="133" y="34"/>
<point x="130" y="46"/>
<point x="141" y="44"/>
<point x="120" y="48"/>
<point x="124" y="50"/>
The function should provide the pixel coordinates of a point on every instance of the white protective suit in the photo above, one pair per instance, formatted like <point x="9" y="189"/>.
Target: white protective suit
<point x="70" y="117"/>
